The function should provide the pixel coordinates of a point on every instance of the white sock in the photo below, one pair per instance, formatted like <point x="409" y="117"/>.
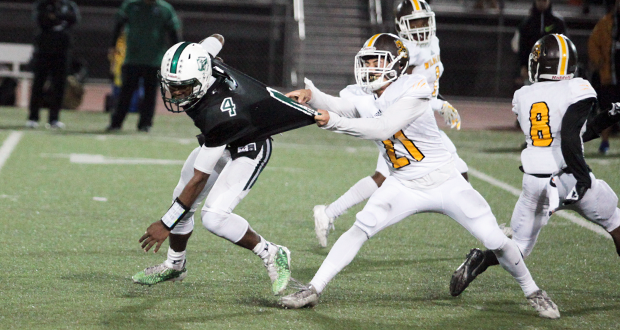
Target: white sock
<point x="176" y="260"/>
<point x="341" y="254"/>
<point x="262" y="248"/>
<point x="358" y="193"/>
<point x="511" y="260"/>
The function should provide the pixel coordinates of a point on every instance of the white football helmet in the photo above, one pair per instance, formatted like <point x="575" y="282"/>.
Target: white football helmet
<point x="408" y="11"/>
<point x="185" y="76"/>
<point x="392" y="61"/>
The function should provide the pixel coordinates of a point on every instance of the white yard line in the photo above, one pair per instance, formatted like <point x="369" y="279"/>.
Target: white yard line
<point x="568" y="216"/>
<point x="8" y="146"/>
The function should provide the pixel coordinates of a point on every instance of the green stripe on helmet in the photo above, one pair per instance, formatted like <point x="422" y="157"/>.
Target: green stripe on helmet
<point x="175" y="58"/>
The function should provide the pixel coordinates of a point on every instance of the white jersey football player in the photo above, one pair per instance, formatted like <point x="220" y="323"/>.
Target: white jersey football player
<point x="552" y="113"/>
<point x="423" y="176"/>
<point x="415" y="24"/>
<point x="221" y="175"/>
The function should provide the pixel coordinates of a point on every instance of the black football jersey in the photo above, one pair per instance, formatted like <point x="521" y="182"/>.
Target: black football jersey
<point x="238" y="109"/>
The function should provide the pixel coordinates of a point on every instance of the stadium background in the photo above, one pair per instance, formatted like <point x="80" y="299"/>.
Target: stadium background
<point x="263" y="38"/>
<point x="75" y="201"/>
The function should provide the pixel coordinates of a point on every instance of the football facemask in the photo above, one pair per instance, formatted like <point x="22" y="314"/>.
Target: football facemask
<point x="185" y="76"/>
<point x="376" y="67"/>
<point x="415" y="21"/>
<point x="179" y="96"/>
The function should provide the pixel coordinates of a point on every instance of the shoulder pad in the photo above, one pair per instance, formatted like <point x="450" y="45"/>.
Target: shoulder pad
<point x="580" y="89"/>
<point x="413" y="85"/>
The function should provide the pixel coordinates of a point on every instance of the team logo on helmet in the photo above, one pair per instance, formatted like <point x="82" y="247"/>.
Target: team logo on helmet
<point x="536" y="52"/>
<point x="202" y="63"/>
<point x="401" y="48"/>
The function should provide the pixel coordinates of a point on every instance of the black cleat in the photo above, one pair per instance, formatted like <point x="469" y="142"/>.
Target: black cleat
<point x="473" y="266"/>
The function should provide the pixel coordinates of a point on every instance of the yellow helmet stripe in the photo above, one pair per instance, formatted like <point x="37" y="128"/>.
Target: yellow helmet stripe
<point x="372" y="39"/>
<point x="563" y="65"/>
<point x="416" y="5"/>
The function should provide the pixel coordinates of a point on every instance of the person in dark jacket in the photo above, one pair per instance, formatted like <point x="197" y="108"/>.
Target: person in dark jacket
<point x="605" y="59"/>
<point x="541" y="22"/>
<point x="51" y="57"/>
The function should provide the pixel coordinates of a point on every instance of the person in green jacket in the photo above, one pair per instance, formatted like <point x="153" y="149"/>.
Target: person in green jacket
<point x="150" y="26"/>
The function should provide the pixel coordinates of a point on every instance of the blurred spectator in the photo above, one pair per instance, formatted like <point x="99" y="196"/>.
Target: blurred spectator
<point x="481" y="4"/>
<point x="116" y="60"/>
<point x="51" y="57"/>
<point x="604" y="54"/>
<point x="146" y="24"/>
<point x="539" y="23"/>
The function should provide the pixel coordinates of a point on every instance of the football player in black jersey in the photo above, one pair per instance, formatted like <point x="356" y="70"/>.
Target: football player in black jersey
<point x="236" y="115"/>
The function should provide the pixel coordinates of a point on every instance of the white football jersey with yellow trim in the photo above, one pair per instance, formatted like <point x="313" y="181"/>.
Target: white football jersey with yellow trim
<point x="426" y="61"/>
<point x="540" y="108"/>
<point x="417" y="149"/>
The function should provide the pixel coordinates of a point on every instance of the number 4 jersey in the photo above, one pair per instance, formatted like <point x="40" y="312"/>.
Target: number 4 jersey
<point x="238" y="109"/>
<point x="540" y="108"/>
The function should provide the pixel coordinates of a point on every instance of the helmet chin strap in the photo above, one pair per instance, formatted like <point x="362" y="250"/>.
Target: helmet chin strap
<point x="535" y="77"/>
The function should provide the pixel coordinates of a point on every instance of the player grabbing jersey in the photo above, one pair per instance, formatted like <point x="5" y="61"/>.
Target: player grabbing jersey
<point x="552" y="113"/>
<point x="415" y="24"/>
<point x="423" y="176"/>
<point x="236" y="116"/>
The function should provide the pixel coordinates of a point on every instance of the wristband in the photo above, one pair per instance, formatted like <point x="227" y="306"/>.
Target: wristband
<point x="175" y="213"/>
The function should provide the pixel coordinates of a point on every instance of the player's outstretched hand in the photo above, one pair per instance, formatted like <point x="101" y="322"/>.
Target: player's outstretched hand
<point x="322" y="118"/>
<point x="155" y="234"/>
<point x="451" y="116"/>
<point x="300" y="95"/>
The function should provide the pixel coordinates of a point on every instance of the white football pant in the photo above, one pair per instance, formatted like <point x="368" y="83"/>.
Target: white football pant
<point x="531" y="212"/>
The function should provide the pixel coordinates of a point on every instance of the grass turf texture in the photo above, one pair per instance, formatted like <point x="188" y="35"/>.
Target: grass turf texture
<point x="68" y="259"/>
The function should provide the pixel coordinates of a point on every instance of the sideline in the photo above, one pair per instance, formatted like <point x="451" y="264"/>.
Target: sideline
<point x="8" y="146"/>
<point x="563" y="214"/>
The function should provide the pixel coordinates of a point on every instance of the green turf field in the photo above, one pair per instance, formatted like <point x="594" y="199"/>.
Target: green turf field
<point x="69" y="239"/>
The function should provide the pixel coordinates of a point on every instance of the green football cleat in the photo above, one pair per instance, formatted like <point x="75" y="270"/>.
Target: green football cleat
<point x="158" y="274"/>
<point x="278" y="266"/>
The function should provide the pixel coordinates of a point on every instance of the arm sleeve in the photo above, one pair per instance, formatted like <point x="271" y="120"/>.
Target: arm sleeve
<point x="600" y="122"/>
<point x="396" y="117"/>
<point x="212" y="46"/>
<point x="334" y="104"/>
<point x="572" y="150"/>
<point x="207" y="158"/>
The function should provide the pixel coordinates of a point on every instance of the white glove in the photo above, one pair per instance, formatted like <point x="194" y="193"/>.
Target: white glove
<point x="450" y="115"/>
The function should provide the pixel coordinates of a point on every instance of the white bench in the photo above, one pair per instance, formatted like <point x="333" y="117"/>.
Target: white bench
<point x="12" y="57"/>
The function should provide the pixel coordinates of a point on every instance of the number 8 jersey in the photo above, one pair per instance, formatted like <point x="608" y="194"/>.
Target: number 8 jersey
<point x="540" y="108"/>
